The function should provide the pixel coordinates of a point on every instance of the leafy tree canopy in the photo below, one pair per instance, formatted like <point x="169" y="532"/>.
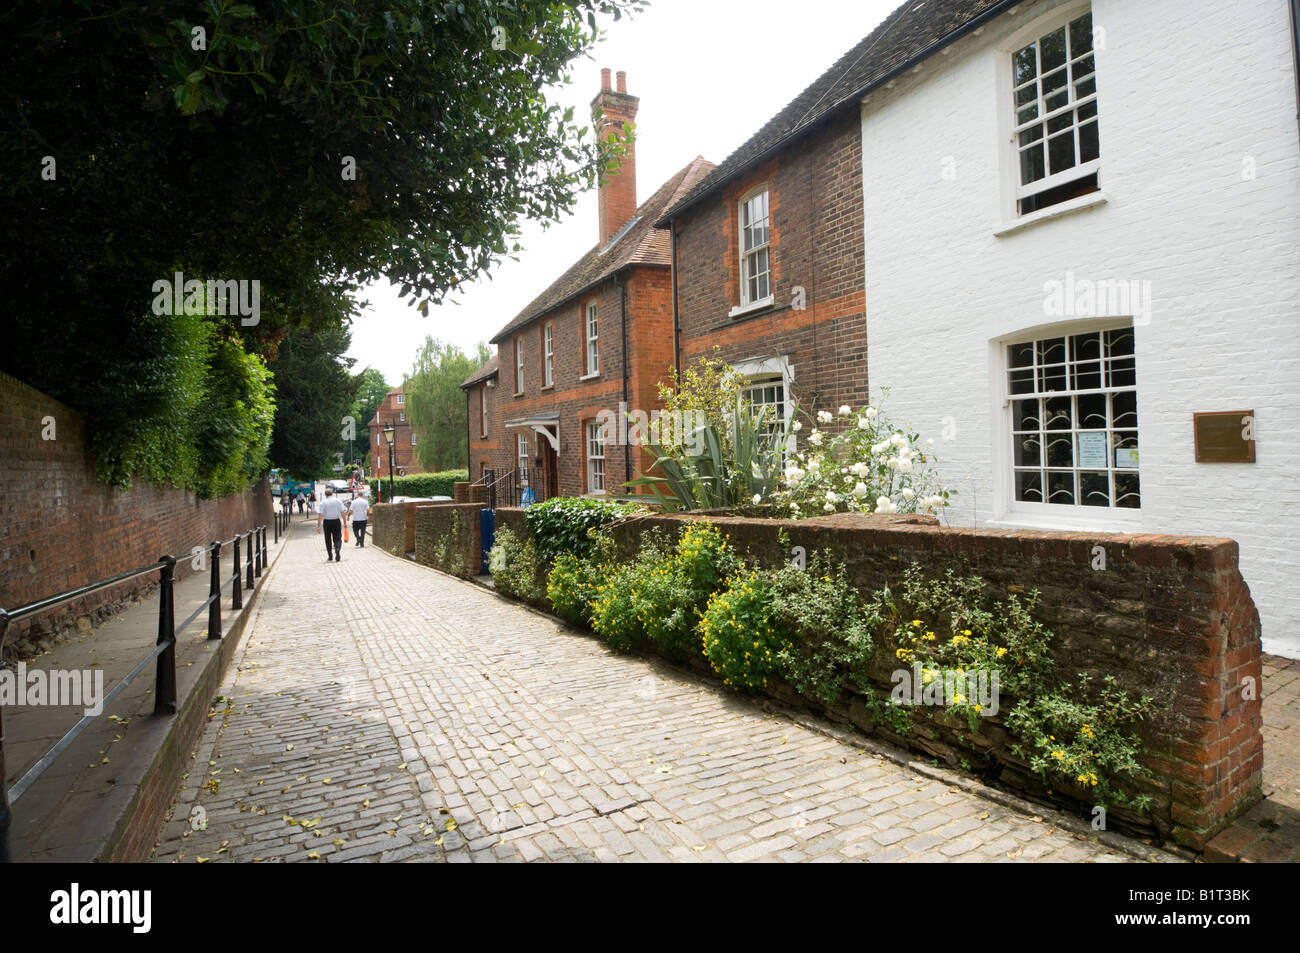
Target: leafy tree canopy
<point x="314" y="392"/>
<point x="436" y="404"/>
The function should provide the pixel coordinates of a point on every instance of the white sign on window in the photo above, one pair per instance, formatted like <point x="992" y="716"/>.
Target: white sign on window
<point x="1126" y="458"/>
<point x="1092" y="451"/>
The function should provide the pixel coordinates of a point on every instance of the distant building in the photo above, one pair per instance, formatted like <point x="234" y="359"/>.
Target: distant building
<point x="392" y="412"/>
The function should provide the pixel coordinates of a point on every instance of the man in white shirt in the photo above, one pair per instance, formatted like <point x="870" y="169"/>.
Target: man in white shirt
<point x="330" y="514"/>
<point x="360" y="511"/>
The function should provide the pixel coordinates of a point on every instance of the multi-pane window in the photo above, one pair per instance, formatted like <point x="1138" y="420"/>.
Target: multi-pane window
<point x="766" y="396"/>
<point x="401" y="398"/>
<point x="519" y="365"/>
<point x="548" y="355"/>
<point x="412" y="438"/>
<point x="523" y="458"/>
<point x="1055" y="90"/>
<point x="401" y="418"/>
<point x="595" y="457"/>
<point x="482" y="411"/>
<point x="1074" y="420"/>
<point x="755" y="264"/>
<point x="593" y="345"/>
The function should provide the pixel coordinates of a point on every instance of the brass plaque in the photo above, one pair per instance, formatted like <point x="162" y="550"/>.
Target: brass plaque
<point x="1225" y="436"/>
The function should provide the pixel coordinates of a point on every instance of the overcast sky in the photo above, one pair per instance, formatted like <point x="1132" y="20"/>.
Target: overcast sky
<point x="709" y="74"/>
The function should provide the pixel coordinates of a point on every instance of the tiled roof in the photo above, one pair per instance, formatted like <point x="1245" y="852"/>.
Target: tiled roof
<point x="641" y="244"/>
<point x="916" y="29"/>
<point x="489" y="368"/>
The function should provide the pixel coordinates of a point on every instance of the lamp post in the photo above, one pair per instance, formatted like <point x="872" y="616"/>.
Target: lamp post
<point x="390" y="432"/>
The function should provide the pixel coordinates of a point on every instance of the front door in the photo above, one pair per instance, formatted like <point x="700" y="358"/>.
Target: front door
<point x="550" y="469"/>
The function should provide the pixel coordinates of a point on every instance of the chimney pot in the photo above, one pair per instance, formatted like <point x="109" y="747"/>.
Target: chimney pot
<point x="622" y="81"/>
<point x="604" y="79"/>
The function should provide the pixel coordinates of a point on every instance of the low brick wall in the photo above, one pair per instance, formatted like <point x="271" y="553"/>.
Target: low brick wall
<point x="1169" y="617"/>
<point x="448" y="537"/>
<point x="392" y="526"/>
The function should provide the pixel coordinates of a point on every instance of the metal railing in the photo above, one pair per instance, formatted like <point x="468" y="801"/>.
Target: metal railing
<point x="508" y="489"/>
<point x="253" y="544"/>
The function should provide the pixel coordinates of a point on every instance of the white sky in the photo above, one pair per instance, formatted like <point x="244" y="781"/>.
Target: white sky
<point x="709" y="74"/>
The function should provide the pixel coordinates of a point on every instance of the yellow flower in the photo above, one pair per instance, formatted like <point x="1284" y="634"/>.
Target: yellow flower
<point x="1001" y="651"/>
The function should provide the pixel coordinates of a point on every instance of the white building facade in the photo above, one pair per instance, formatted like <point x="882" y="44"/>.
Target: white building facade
<point x="1082" y="229"/>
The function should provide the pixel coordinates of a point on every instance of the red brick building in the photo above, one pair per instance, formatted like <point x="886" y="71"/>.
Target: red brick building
<point x="769" y="259"/>
<point x="392" y="412"/>
<point x="601" y="335"/>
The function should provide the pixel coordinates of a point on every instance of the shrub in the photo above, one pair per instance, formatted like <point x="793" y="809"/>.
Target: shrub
<point x="421" y="484"/>
<point x="563" y="524"/>
<point x="616" y="608"/>
<point x="571" y="586"/>
<point x="739" y="639"/>
<point x="514" y="567"/>
<point x="869" y="466"/>
<point x="827" y="624"/>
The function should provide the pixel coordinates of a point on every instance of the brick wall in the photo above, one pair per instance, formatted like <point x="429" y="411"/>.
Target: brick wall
<point x="448" y="537"/>
<point x="1169" y="617"/>
<point x="815" y="203"/>
<point x="61" y="528"/>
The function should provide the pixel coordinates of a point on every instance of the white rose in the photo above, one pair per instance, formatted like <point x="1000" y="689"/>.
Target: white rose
<point x="885" y="505"/>
<point x="871" y="413"/>
<point x="832" y="499"/>
<point x="829" y="508"/>
<point x="815" y="438"/>
<point x="796" y="426"/>
<point x="758" y="498"/>
<point x="845" y="410"/>
<point x="864" y="423"/>
<point x="859" y="469"/>
<point x="879" y="448"/>
<point x="860" y="490"/>
<point x="898" y="440"/>
<point x="904" y="465"/>
<point x="908" y="493"/>
<point x="814" y="466"/>
<point x="824" y="417"/>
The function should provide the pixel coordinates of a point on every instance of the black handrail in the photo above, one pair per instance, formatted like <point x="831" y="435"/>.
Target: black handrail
<point x="164" y="650"/>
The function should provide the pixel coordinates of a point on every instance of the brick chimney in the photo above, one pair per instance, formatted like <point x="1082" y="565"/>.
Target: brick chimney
<point x="618" y="193"/>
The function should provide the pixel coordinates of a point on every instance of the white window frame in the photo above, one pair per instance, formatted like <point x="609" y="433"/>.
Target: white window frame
<point x="1011" y="512"/>
<point x="748" y="303"/>
<point x="519" y="365"/>
<point x="412" y="438"/>
<point x="548" y="354"/>
<point x="401" y="417"/>
<point x="401" y="398"/>
<point x="1010" y="128"/>
<point x="482" y="410"/>
<point x="523" y="457"/>
<point x="595" y="452"/>
<point x="591" y="333"/>
<point x="767" y="369"/>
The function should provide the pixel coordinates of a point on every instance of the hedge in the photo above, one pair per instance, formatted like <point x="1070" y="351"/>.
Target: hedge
<point x="420" y="484"/>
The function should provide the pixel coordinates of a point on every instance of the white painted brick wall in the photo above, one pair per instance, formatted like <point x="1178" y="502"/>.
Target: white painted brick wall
<point x="1187" y="91"/>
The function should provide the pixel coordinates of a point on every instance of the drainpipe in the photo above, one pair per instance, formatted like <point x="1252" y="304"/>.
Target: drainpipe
<point x="468" y="473"/>
<point x="1295" y="51"/>
<point x="622" y="310"/>
<point x="677" y="346"/>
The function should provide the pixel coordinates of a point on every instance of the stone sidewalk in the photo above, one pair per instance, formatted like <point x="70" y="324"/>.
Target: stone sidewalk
<point x="384" y="711"/>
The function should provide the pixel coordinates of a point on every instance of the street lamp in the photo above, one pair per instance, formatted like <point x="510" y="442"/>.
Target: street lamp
<point x="390" y="432"/>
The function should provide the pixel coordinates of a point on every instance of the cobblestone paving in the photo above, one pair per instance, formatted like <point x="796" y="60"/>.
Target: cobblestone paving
<point x="383" y="711"/>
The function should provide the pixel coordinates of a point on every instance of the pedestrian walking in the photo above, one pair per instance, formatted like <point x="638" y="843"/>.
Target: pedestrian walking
<point x="360" y="513"/>
<point x="302" y="502"/>
<point x="330" y="518"/>
<point x="311" y="504"/>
